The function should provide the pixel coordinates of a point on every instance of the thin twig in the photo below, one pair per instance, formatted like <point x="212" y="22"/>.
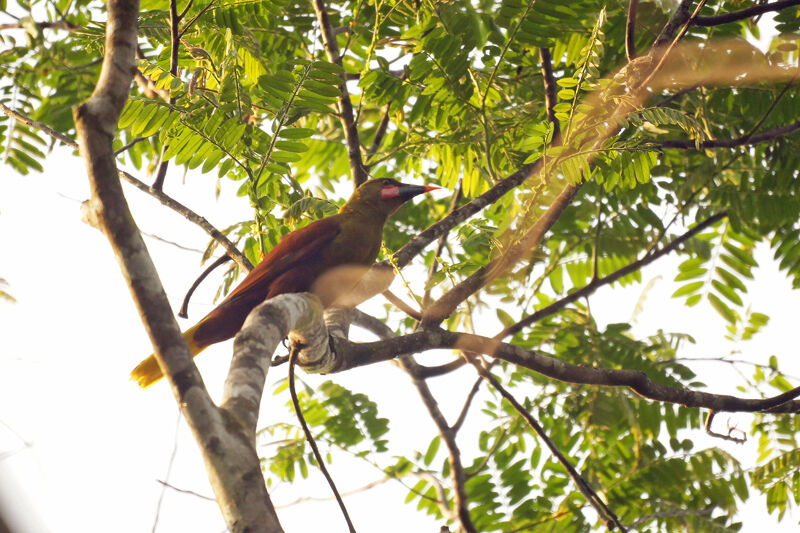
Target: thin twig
<point x="172" y="243"/>
<point x="164" y="484"/>
<point x="464" y="410"/>
<point x="175" y="44"/>
<point x="365" y="488"/>
<point x="380" y="132"/>
<point x="550" y="90"/>
<point x="671" y="514"/>
<point x="55" y="25"/>
<point x="454" y="201"/>
<point x="186" y="491"/>
<point x="128" y="146"/>
<point x="312" y="442"/>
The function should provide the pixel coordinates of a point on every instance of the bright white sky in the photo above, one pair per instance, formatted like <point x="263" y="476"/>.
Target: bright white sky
<point x="98" y="444"/>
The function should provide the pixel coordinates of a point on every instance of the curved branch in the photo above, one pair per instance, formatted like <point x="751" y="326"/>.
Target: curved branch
<point x="742" y="14"/>
<point x="184" y="312"/>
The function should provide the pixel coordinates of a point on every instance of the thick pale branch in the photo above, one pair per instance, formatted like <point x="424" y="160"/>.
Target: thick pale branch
<point x="297" y="315"/>
<point x="231" y="460"/>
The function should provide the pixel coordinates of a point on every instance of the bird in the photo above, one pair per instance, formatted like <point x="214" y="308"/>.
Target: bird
<point x="350" y="238"/>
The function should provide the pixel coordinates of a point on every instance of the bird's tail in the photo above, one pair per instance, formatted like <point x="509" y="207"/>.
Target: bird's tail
<point x="148" y="371"/>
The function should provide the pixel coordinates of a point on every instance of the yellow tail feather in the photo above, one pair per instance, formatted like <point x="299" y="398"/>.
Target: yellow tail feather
<point x="148" y="371"/>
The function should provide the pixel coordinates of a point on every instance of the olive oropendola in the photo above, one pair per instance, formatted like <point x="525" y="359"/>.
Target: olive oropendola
<point x="301" y="258"/>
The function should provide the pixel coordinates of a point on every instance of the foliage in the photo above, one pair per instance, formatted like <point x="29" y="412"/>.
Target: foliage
<point x="255" y="101"/>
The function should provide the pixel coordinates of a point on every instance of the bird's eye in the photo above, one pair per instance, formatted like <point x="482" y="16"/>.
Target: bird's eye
<point x="386" y="182"/>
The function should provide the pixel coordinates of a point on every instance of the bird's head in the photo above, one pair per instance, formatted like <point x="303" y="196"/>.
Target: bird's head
<point x="384" y="195"/>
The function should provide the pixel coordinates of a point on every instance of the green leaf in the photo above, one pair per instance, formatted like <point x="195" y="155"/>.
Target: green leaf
<point x="689" y="288"/>
<point x="433" y="447"/>
<point x="296" y="133"/>
<point x="726" y="312"/>
<point x="727" y="292"/>
<point x="285" y="157"/>
<point x="291" y="146"/>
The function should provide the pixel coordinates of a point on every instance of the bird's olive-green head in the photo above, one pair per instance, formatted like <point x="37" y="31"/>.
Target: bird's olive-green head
<point x="382" y="197"/>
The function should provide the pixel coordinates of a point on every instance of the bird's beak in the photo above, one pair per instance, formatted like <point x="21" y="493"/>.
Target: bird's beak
<point x="407" y="192"/>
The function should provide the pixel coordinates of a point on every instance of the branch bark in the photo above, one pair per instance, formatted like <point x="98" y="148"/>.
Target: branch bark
<point x="742" y="14"/>
<point x="743" y="140"/>
<point x="349" y="355"/>
<point x="357" y="169"/>
<point x="230" y="457"/>
<point x="596" y="283"/>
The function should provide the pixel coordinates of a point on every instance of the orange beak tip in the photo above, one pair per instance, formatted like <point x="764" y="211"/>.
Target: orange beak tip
<point x="429" y="188"/>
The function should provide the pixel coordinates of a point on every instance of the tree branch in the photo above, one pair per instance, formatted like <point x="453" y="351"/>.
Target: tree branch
<point x="445" y="305"/>
<point x="231" y="460"/>
<point x="176" y="206"/>
<point x="380" y="132"/>
<point x="742" y="14"/>
<point x="357" y="169"/>
<point x="467" y="403"/>
<point x="184" y="312"/>
<point x="630" y="30"/>
<point x="550" y="90"/>
<point x="64" y="25"/>
<point x="583" y="486"/>
<point x="41" y="126"/>
<point x="175" y="44"/>
<point x="744" y="140"/>
<point x="351" y="355"/>
<point x="596" y="283"/>
<point x="448" y="435"/>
